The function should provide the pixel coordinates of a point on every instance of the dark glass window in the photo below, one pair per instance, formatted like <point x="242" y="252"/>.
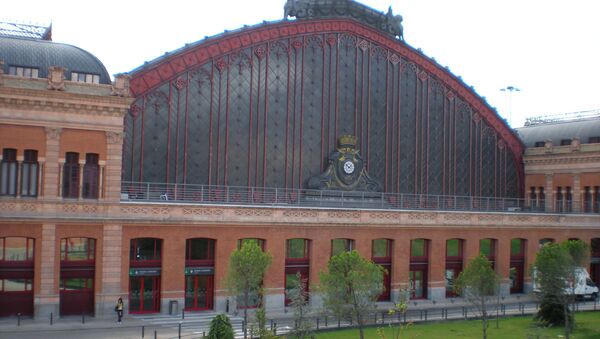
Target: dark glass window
<point x="517" y="248"/>
<point x="16" y="249"/>
<point x="454" y="248"/>
<point x="545" y="241"/>
<point x="16" y="285"/>
<point x="487" y="247"/>
<point x="26" y="72"/>
<point x="85" y="77"/>
<point x="76" y="284"/>
<point x="418" y="248"/>
<point x="200" y="249"/>
<point x="539" y="144"/>
<point x="91" y="173"/>
<point x="297" y="249"/>
<point x="259" y="242"/>
<point x="77" y="249"/>
<point x="145" y="249"/>
<point x="341" y="245"/>
<point x="565" y="142"/>
<point x="594" y="140"/>
<point x="71" y="175"/>
<point x="382" y="248"/>
<point x="8" y="172"/>
<point x="29" y="174"/>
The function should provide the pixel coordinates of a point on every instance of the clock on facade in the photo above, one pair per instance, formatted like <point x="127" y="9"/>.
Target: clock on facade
<point x="348" y="167"/>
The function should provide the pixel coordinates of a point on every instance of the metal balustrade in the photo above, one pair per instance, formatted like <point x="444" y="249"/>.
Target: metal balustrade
<point x="259" y="196"/>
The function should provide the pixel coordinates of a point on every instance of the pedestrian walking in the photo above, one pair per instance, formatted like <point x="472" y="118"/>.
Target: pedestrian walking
<point x="119" y="310"/>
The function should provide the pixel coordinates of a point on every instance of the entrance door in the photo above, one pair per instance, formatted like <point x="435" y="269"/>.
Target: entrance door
<point x="516" y="277"/>
<point x="450" y="276"/>
<point x="199" y="292"/>
<point x="418" y="284"/>
<point x="144" y="294"/>
<point x="76" y="296"/>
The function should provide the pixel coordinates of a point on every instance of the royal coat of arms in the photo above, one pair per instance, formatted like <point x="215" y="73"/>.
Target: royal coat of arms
<point x="345" y="170"/>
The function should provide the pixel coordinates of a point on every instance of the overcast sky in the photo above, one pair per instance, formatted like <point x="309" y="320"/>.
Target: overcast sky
<point x="549" y="49"/>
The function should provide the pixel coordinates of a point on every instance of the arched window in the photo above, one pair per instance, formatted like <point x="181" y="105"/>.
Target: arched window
<point x="91" y="175"/>
<point x="77" y="272"/>
<point x="419" y="267"/>
<point x="341" y="245"/>
<point x="29" y="174"/>
<point x="199" y="274"/>
<point x="259" y="242"/>
<point x="16" y="276"/>
<point x="454" y="263"/>
<point x="517" y="264"/>
<point x="70" y="184"/>
<point x="145" y="255"/>
<point x="487" y="247"/>
<point x="297" y="263"/>
<point x="382" y="255"/>
<point x="8" y="172"/>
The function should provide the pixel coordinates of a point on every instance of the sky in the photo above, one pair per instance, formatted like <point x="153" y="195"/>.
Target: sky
<point x="548" y="49"/>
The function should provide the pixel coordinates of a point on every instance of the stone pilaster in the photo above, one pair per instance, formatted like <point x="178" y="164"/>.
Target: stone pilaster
<point x="577" y="201"/>
<point x="549" y="189"/>
<point x="112" y="266"/>
<point x="503" y="264"/>
<point x="51" y="166"/>
<point x="114" y="151"/>
<point x="437" y="268"/>
<point x="47" y="297"/>
<point x="400" y="265"/>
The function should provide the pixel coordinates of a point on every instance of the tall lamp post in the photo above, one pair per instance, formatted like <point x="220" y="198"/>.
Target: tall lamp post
<point x="510" y="90"/>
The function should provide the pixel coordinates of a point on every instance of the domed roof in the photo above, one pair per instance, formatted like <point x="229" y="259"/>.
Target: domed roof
<point x="556" y="131"/>
<point x="42" y="54"/>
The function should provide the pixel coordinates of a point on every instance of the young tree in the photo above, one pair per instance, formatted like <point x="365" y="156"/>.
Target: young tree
<point x="550" y="273"/>
<point x="579" y="253"/>
<point x="247" y="267"/>
<point x="298" y="294"/>
<point x="477" y="282"/>
<point x="220" y="328"/>
<point x="351" y="286"/>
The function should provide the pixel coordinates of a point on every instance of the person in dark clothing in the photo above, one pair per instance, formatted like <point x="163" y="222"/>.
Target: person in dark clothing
<point x="119" y="310"/>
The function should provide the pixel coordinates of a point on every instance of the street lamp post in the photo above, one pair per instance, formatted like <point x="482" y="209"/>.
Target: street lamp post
<point x="510" y="90"/>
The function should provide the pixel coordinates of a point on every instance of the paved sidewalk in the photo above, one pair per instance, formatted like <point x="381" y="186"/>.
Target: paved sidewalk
<point x="195" y="323"/>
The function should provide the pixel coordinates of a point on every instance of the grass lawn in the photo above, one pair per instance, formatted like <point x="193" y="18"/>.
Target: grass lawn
<point x="588" y="327"/>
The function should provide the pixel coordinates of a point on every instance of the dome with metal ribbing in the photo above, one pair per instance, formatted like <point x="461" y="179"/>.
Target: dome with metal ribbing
<point x="42" y="54"/>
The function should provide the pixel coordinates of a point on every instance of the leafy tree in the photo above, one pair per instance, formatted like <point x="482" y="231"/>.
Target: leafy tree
<point x="478" y="282"/>
<point x="220" y="328"/>
<point x="579" y="254"/>
<point x="351" y="286"/>
<point x="247" y="267"/>
<point x="552" y="266"/>
<point x="261" y="330"/>
<point x="298" y="294"/>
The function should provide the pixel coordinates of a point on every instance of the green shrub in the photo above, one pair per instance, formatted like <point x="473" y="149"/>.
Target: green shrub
<point x="220" y="328"/>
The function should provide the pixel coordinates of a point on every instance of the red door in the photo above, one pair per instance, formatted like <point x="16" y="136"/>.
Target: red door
<point x="144" y="294"/>
<point x="76" y="296"/>
<point x="199" y="291"/>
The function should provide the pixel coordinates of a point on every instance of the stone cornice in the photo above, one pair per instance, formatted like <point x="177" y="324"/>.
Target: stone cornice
<point x="35" y="211"/>
<point x="59" y="101"/>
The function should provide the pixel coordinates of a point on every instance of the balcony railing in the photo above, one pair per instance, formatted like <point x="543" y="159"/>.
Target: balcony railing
<point x="258" y="196"/>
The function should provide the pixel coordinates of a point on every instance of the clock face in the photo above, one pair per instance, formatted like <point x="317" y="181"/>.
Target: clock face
<point x="348" y="167"/>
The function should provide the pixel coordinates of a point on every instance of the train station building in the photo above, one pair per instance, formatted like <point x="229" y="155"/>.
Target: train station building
<point x="319" y="133"/>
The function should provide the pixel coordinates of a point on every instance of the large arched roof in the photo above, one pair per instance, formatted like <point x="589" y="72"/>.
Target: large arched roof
<point x="169" y="66"/>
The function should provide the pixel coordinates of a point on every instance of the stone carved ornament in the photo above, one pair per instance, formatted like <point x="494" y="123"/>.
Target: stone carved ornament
<point x="346" y="170"/>
<point x="56" y="78"/>
<point x="312" y="9"/>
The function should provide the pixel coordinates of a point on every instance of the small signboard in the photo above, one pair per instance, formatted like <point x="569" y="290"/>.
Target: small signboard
<point x="199" y="270"/>
<point x="144" y="272"/>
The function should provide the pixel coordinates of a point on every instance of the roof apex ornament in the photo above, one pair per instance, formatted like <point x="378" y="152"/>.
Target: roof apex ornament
<point x="316" y="9"/>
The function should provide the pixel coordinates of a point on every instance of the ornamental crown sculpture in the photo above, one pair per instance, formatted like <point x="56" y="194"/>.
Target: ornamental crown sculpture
<point x="318" y="9"/>
<point x="347" y="141"/>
